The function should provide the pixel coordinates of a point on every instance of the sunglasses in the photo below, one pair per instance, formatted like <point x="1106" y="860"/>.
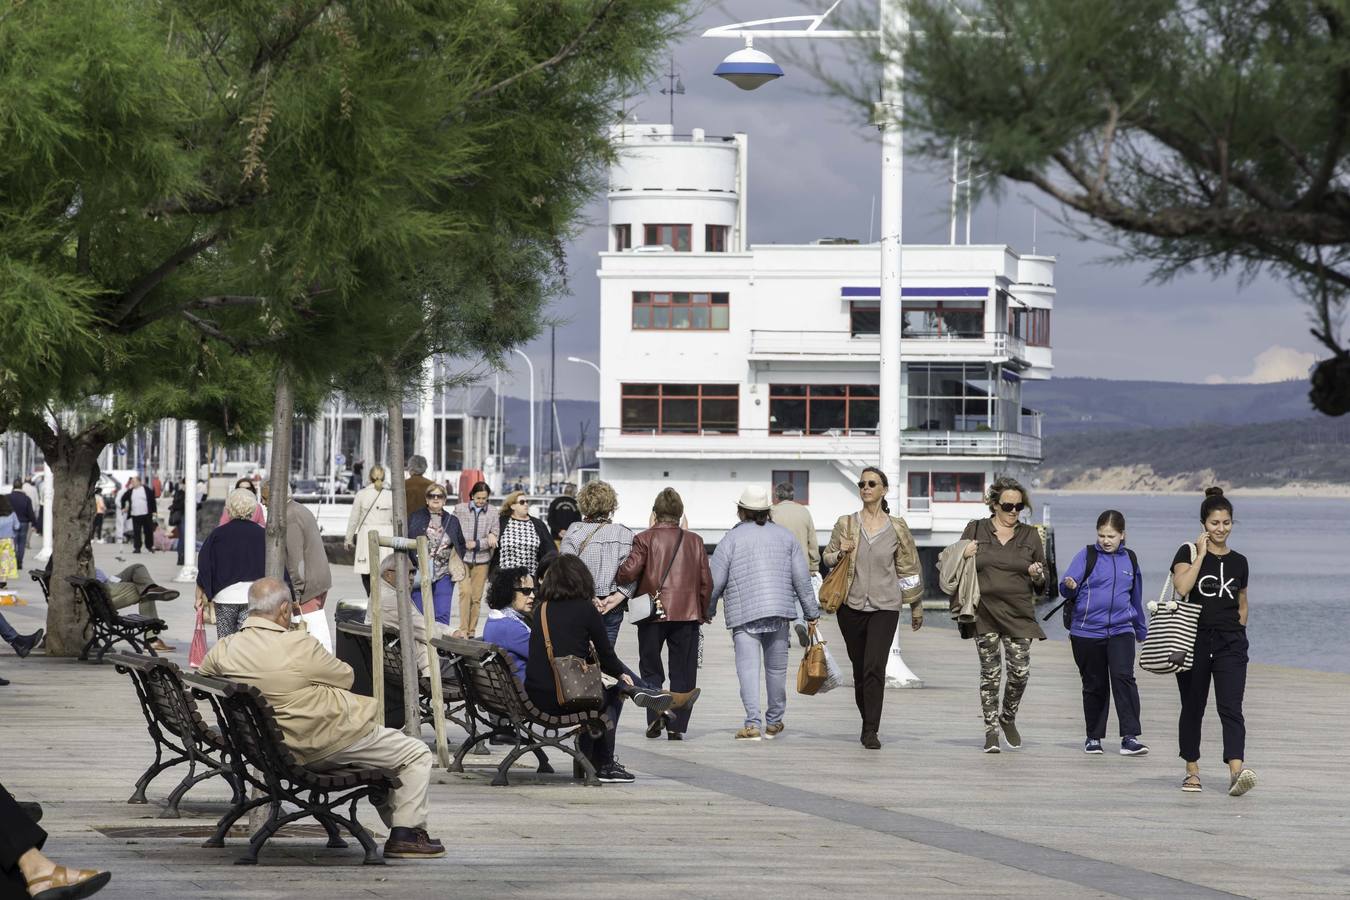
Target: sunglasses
<point x="868" y="484"/>
<point x="521" y="502"/>
<point x="1012" y="507"/>
<point x="527" y="591"/>
<point x="435" y="496"/>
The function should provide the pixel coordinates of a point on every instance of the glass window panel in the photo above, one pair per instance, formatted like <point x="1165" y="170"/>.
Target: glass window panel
<point x="679" y="416"/>
<point x="699" y="318"/>
<point x="721" y="390"/>
<point x="864" y="318"/>
<point x="864" y="390"/>
<point x="651" y="234"/>
<point x="971" y="486"/>
<point x="679" y="318"/>
<point x="639" y="414"/>
<point x="662" y="297"/>
<point x="680" y="390"/>
<point x="828" y="390"/>
<point x="721" y="297"/>
<point x="963" y="323"/>
<point x="660" y="317"/>
<point x="788" y="390"/>
<point x="787" y="415"/>
<point x="642" y="317"/>
<point x="645" y="390"/>
<point x="698" y="297"/>
<point x="827" y="415"/>
<point x="721" y="318"/>
<point x="864" y="414"/>
<point x="918" y="322"/>
<point x="721" y="415"/>
<point x="642" y="297"/>
<point x="681" y="238"/>
<point x="681" y="297"/>
<point x="918" y="484"/>
<point x="944" y="487"/>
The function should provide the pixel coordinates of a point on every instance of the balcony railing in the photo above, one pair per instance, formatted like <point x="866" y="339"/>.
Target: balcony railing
<point x="971" y="443"/>
<point x="993" y="345"/>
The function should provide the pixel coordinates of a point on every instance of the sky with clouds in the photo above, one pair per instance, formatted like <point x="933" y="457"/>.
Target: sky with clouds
<point x="815" y="172"/>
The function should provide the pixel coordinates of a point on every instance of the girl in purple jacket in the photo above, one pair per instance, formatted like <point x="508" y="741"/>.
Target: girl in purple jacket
<point x="1107" y="619"/>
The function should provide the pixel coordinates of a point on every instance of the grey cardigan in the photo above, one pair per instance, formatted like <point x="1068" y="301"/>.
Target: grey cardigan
<point x="760" y="571"/>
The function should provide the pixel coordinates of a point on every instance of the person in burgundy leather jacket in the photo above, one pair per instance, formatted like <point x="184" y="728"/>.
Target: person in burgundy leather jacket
<point x="684" y="598"/>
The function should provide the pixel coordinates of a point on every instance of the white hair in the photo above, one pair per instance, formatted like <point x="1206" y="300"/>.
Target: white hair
<point x="267" y="596"/>
<point x="241" y="503"/>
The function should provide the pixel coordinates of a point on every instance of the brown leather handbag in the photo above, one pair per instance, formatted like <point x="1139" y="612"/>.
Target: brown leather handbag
<point x="834" y="589"/>
<point x="577" y="680"/>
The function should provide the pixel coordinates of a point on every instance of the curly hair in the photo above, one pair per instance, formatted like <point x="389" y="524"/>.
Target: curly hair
<point x="597" y="500"/>
<point x="502" y="592"/>
<point x="240" y="503"/>
<point x="1006" y="483"/>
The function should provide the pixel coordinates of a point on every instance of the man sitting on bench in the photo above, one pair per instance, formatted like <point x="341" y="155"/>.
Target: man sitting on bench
<point x="323" y="723"/>
<point x="132" y="586"/>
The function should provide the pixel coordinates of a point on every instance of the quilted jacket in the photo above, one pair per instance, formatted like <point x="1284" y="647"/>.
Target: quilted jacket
<point x="761" y="572"/>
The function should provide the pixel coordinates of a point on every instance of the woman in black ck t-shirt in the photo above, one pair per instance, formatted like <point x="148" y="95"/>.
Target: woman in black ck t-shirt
<point x="1217" y="581"/>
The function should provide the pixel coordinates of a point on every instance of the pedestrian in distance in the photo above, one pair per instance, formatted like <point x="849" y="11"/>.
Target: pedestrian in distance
<point x="416" y="484"/>
<point x="883" y="576"/>
<point x="259" y="515"/>
<point x="603" y="545"/>
<point x="523" y="540"/>
<point x="1104" y="594"/>
<point x="307" y="563"/>
<point x="139" y="502"/>
<point x="1217" y="581"/>
<point x="9" y="557"/>
<point x="233" y="556"/>
<point x="480" y="521"/>
<point x="796" y="518"/>
<point x="445" y="549"/>
<point x="372" y="510"/>
<point x="563" y="512"/>
<point x="1010" y="563"/>
<point x="26" y="513"/>
<point x="669" y="562"/>
<point x="760" y="571"/>
<point x="100" y="511"/>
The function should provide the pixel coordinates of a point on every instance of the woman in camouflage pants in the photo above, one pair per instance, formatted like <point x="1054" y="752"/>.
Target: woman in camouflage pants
<point x="1010" y="561"/>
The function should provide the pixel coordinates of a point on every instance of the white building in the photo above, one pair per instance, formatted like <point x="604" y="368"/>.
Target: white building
<point x="726" y="364"/>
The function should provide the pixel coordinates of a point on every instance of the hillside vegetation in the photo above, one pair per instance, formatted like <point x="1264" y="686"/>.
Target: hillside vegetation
<point x="1089" y="404"/>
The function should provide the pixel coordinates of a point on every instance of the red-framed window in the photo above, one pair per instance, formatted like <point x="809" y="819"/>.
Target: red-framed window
<point x="715" y="238"/>
<point x="942" y="318"/>
<point x="681" y="310"/>
<point x="948" y="487"/>
<point x="800" y="479"/>
<point x="680" y="408"/>
<point x="623" y="237"/>
<point x="677" y="236"/>
<point x="1031" y="325"/>
<point x="815" y="409"/>
<point x="864" y="317"/>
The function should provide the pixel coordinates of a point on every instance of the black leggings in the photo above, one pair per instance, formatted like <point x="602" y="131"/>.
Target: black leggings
<point x="18" y="835"/>
<point x="1221" y="656"/>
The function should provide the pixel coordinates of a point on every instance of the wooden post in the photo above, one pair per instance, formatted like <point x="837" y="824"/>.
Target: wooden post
<point x="433" y="659"/>
<point x="412" y="721"/>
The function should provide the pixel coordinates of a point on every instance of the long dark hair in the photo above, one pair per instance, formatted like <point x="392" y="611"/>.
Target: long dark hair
<point x="1113" y="517"/>
<point x="1214" y="500"/>
<point x="885" y="483"/>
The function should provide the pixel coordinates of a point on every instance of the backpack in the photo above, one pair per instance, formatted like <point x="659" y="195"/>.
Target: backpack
<point x="1068" y="606"/>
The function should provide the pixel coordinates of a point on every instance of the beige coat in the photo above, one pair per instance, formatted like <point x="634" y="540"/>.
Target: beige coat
<point x="906" y="555"/>
<point x="797" y="519"/>
<point x="960" y="581"/>
<point x="371" y="510"/>
<point x="308" y="687"/>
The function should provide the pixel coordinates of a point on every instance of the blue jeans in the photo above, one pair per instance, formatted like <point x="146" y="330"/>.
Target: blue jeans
<point x="772" y="646"/>
<point x="7" y="632"/>
<point x="20" y="542"/>
<point x="442" y="593"/>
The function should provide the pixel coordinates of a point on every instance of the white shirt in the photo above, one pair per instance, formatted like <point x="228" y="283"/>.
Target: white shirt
<point x="138" y="505"/>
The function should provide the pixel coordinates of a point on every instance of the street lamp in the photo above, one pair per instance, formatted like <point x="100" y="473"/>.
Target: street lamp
<point x="748" y="75"/>
<point x="531" y="365"/>
<point x="584" y="362"/>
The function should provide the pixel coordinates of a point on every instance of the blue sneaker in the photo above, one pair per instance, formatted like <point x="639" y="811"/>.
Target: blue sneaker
<point x="1092" y="745"/>
<point x="1130" y="746"/>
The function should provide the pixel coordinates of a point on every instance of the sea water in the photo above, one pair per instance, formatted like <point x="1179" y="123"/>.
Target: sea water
<point x="1298" y="595"/>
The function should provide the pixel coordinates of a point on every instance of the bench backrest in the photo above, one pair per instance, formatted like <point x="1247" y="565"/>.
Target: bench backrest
<point x="40" y="577"/>
<point x="489" y="677"/>
<point x="251" y="724"/>
<point x="160" y="684"/>
<point x="95" y="597"/>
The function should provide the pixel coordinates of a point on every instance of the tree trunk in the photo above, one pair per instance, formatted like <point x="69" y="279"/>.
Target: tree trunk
<point x="279" y="475"/>
<point x="74" y="463"/>
<point x="412" y="718"/>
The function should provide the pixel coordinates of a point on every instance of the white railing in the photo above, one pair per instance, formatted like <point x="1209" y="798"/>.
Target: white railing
<point x="989" y="345"/>
<point x="971" y="443"/>
<point x="616" y="442"/>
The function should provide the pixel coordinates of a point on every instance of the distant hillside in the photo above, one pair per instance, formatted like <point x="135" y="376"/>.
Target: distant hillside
<point x="1089" y="404"/>
<point x="1265" y="455"/>
<point x="572" y="415"/>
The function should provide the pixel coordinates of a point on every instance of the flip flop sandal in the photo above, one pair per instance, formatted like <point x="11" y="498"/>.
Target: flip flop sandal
<point x="1191" y="784"/>
<point x="1243" y="782"/>
<point x="68" y="884"/>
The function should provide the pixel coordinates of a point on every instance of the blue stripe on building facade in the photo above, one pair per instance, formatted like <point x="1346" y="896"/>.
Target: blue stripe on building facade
<point x="874" y="293"/>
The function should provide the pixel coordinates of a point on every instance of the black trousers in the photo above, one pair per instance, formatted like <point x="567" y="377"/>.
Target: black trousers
<point x="1220" y="656"/>
<point x="18" y="835"/>
<point x="681" y="642"/>
<point x="1106" y="666"/>
<point x="868" y="636"/>
<point x="143" y="529"/>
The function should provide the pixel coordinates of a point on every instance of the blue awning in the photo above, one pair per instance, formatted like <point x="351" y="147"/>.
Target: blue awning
<point x="874" y="293"/>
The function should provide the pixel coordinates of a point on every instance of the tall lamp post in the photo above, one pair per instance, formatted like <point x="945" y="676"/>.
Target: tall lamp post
<point x="531" y="365"/>
<point x="187" y="529"/>
<point x="749" y="69"/>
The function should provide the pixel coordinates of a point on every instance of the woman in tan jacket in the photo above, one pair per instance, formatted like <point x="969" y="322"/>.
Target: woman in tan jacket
<point x="883" y="575"/>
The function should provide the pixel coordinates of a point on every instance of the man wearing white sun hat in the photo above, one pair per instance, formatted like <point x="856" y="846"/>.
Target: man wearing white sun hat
<point x="759" y="569"/>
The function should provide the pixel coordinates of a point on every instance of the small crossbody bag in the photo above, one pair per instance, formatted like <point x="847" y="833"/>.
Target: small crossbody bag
<point x="645" y="607"/>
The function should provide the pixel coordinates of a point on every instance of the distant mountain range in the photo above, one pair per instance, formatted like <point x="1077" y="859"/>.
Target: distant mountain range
<point x="1129" y="435"/>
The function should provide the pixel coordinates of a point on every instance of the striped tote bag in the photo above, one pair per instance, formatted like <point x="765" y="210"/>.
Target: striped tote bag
<point x="1170" y="645"/>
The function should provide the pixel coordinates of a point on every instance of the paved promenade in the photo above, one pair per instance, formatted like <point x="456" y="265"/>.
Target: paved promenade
<point x="810" y="813"/>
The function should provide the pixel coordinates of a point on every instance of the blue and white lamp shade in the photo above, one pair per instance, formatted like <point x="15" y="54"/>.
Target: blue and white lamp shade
<point x="749" y="68"/>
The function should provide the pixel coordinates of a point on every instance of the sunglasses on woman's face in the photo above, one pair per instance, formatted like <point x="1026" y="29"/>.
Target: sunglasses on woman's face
<point x="868" y="484"/>
<point x="1012" y="507"/>
<point x="527" y="591"/>
<point x="435" y="496"/>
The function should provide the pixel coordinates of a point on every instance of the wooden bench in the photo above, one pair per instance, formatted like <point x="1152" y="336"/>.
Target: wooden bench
<point x="255" y="739"/>
<point x="502" y="709"/>
<point x="177" y="728"/>
<point x="109" y="626"/>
